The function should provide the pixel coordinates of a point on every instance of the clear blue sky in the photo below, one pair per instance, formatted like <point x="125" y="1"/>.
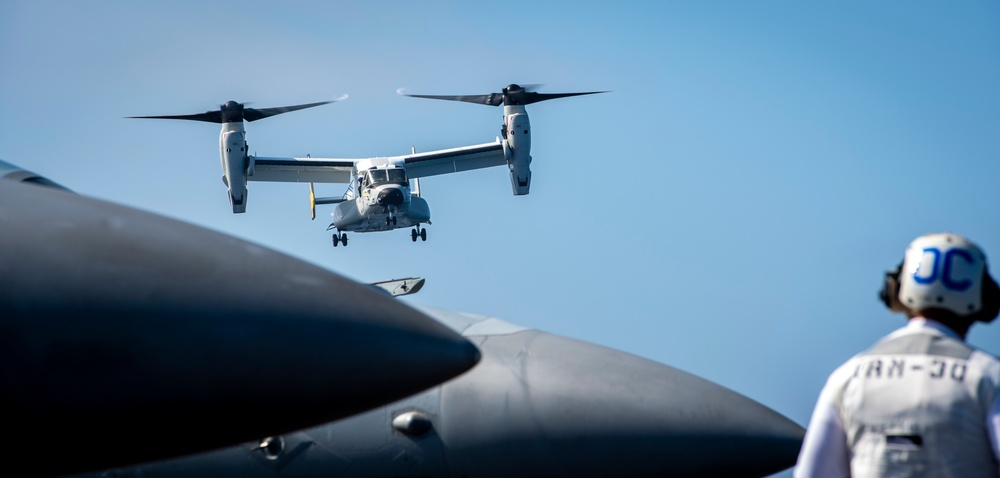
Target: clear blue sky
<point x="728" y="209"/>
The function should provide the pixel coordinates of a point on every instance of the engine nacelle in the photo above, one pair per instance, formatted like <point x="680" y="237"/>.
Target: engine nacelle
<point x="517" y="150"/>
<point x="235" y="163"/>
<point x="238" y="191"/>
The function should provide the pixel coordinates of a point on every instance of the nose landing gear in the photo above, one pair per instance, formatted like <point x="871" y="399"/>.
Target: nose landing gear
<point x="340" y="238"/>
<point x="418" y="232"/>
<point x="390" y="218"/>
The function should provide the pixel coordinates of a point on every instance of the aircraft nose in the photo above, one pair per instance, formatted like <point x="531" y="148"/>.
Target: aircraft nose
<point x="390" y="197"/>
<point x="155" y="338"/>
<point x="578" y="409"/>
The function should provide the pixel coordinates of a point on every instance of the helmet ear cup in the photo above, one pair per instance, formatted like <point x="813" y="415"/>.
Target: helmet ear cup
<point x="890" y="290"/>
<point x="990" y="302"/>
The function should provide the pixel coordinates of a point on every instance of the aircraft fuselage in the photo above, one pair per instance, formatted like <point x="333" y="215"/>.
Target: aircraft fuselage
<point x="364" y="214"/>
<point x="384" y="200"/>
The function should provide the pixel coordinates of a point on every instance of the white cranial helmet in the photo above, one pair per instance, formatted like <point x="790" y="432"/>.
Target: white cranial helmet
<point x="942" y="271"/>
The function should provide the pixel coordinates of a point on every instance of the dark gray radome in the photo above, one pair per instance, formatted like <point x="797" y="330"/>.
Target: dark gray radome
<point x="543" y="405"/>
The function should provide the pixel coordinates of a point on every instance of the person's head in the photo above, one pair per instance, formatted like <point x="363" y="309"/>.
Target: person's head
<point x="943" y="277"/>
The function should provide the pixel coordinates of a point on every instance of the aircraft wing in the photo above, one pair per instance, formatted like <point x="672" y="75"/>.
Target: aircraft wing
<point x="302" y="170"/>
<point x="454" y="160"/>
<point x="418" y="165"/>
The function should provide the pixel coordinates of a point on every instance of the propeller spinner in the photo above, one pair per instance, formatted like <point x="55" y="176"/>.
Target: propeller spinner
<point x="513" y="94"/>
<point x="233" y="112"/>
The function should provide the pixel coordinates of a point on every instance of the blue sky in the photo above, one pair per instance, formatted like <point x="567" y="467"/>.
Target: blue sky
<point x="728" y="209"/>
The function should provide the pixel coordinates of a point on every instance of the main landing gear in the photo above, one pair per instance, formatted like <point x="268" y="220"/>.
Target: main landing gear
<point x="342" y="237"/>
<point x="418" y="232"/>
<point x="390" y="220"/>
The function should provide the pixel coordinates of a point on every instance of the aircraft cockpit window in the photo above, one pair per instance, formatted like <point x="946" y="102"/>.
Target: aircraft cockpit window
<point x="397" y="175"/>
<point x="394" y="175"/>
<point x="376" y="176"/>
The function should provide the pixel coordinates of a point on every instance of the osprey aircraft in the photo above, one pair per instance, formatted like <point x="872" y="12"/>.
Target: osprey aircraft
<point x="380" y="195"/>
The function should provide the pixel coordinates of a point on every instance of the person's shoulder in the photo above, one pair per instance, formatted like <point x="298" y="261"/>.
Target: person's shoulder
<point x="845" y="371"/>
<point x="985" y="357"/>
<point x="988" y="366"/>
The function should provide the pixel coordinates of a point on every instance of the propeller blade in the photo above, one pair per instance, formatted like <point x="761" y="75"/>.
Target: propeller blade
<point x="512" y="95"/>
<point x="531" y="97"/>
<point x="232" y="111"/>
<point x="493" y="99"/>
<point x="208" y="116"/>
<point x="253" y="114"/>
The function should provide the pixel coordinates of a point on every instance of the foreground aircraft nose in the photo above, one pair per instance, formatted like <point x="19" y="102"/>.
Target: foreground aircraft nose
<point x="127" y="337"/>
<point x="546" y="405"/>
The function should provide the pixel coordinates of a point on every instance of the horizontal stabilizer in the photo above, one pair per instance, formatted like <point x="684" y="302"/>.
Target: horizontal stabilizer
<point x="313" y="200"/>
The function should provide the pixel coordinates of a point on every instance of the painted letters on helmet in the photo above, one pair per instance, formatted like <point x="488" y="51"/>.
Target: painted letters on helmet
<point x="944" y="271"/>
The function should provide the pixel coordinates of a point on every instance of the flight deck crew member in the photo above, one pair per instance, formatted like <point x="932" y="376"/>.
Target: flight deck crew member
<point x="920" y="402"/>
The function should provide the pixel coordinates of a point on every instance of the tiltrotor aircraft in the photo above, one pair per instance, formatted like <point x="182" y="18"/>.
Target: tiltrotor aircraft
<point x="127" y="337"/>
<point x="379" y="196"/>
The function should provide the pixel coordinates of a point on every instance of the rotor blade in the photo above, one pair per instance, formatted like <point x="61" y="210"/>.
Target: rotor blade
<point x="208" y="116"/>
<point x="532" y="97"/>
<point x="252" y="114"/>
<point x="494" y="99"/>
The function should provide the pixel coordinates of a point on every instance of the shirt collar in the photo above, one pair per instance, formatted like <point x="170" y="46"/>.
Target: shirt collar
<point x="923" y="323"/>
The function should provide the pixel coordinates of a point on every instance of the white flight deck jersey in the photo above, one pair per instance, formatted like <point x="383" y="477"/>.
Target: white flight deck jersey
<point x="917" y="404"/>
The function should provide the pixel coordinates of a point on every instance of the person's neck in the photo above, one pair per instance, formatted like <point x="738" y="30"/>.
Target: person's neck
<point x="960" y="329"/>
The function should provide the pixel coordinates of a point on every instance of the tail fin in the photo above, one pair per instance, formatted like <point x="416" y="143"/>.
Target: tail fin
<point x="313" y="201"/>
<point x="415" y="187"/>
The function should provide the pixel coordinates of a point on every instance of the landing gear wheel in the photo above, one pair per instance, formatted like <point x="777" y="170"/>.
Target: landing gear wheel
<point x="336" y="240"/>
<point x="393" y="220"/>
<point x="423" y="235"/>
<point x="343" y="238"/>
<point x="388" y="221"/>
<point x="413" y="235"/>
